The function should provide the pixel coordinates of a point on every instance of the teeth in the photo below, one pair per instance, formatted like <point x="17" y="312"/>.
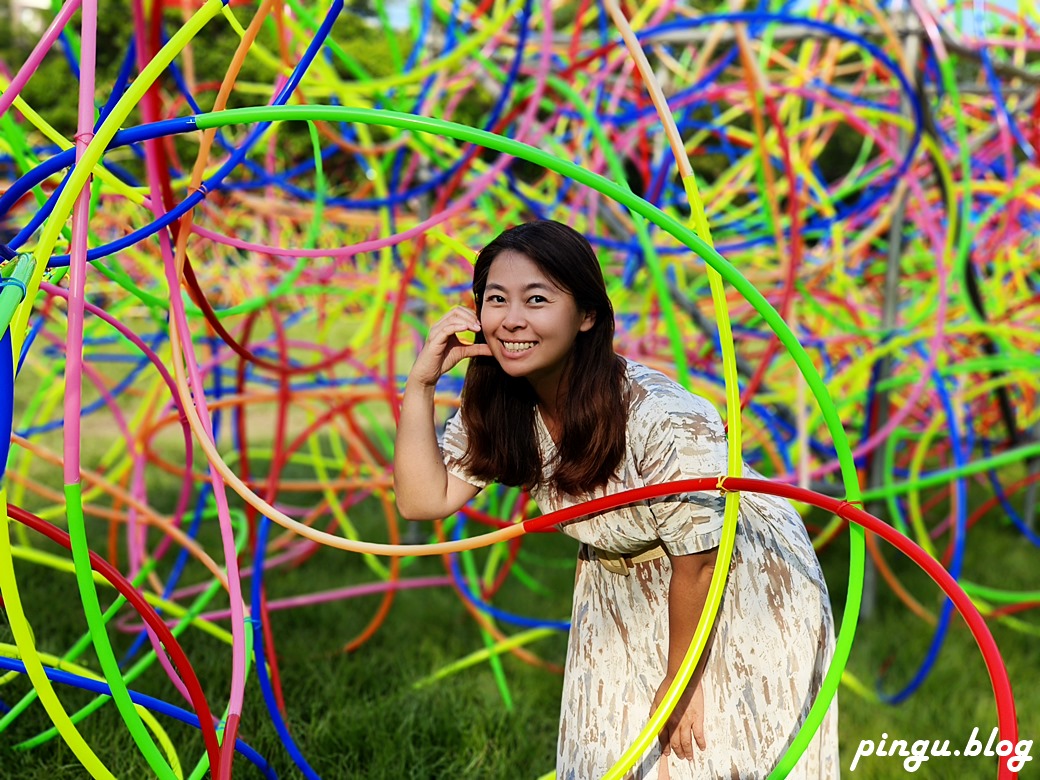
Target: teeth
<point x="517" y="346"/>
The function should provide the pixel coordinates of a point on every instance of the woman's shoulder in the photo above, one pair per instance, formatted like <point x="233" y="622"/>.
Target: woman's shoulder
<point x="663" y="413"/>
<point x="654" y="392"/>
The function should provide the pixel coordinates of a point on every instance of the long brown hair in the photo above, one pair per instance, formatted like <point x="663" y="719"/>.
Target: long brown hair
<point x="498" y="411"/>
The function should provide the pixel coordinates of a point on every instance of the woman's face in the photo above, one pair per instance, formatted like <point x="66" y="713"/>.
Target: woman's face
<point x="529" y="323"/>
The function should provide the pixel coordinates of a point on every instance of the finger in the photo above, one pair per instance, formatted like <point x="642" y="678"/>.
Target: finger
<point x="442" y="332"/>
<point x="698" y="735"/>
<point x="467" y="315"/>
<point x="457" y="320"/>
<point x="457" y="313"/>
<point x="461" y="326"/>
<point x="462" y="352"/>
<point x="686" y="742"/>
<point x="477" y="350"/>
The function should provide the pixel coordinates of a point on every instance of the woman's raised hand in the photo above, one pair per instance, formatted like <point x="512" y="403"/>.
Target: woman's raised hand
<point x="443" y="349"/>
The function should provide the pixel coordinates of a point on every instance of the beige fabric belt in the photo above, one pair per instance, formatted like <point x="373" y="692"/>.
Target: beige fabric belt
<point x="620" y="563"/>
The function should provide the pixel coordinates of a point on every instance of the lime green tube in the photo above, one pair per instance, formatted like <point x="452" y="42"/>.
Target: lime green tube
<point x="23" y="639"/>
<point x="106" y="655"/>
<point x="21" y="269"/>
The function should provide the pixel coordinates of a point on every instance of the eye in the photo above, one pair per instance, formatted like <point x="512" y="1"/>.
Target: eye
<point x="495" y="299"/>
<point x="537" y="299"/>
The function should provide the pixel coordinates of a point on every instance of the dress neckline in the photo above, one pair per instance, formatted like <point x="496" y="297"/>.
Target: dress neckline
<point x="543" y="428"/>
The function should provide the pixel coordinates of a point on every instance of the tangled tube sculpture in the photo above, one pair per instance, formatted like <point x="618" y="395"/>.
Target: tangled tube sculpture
<point x="823" y="217"/>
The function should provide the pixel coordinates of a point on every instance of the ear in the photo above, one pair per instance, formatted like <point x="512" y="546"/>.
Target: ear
<point x="588" y="322"/>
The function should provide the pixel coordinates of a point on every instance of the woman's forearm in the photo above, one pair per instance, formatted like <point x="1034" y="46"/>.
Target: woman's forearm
<point x="422" y="485"/>
<point x="687" y="594"/>
<point x="420" y="479"/>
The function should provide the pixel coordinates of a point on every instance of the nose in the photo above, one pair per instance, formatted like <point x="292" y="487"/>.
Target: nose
<point x="514" y="318"/>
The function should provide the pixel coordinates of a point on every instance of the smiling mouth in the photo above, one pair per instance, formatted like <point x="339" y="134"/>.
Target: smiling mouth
<point x="517" y="346"/>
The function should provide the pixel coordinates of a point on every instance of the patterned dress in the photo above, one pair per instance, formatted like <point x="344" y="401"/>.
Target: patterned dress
<point x="774" y="634"/>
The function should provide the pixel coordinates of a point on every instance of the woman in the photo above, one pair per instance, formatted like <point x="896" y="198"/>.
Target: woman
<point x="548" y="405"/>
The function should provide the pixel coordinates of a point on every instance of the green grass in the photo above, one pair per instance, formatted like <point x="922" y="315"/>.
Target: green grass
<point x="359" y="715"/>
<point x="353" y="715"/>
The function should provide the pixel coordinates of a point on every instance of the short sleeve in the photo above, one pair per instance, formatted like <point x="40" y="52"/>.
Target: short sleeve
<point x="684" y="439"/>
<point x="454" y="445"/>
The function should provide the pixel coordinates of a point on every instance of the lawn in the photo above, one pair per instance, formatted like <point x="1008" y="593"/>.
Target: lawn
<point x="361" y="715"/>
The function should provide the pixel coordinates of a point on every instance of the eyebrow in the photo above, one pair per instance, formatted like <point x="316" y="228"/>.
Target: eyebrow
<point x="531" y="286"/>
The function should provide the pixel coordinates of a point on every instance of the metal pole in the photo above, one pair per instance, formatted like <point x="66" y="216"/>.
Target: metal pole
<point x="1029" y="511"/>
<point x="889" y="321"/>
